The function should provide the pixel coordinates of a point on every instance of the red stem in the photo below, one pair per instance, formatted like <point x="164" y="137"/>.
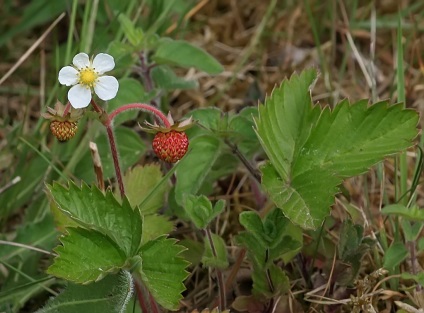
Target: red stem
<point x="108" y="124"/>
<point x="143" y="107"/>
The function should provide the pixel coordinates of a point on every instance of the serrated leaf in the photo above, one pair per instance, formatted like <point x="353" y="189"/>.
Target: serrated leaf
<point x="139" y="182"/>
<point x="165" y="78"/>
<point x="200" y="210"/>
<point x="111" y="294"/>
<point x="90" y="208"/>
<point x="395" y="255"/>
<point x="184" y="54"/>
<point x="312" y="150"/>
<point x="221" y="259"/>
<point x="164" y="275"/>
<point x="204" y="151"/>
<point x="86" y="256"/>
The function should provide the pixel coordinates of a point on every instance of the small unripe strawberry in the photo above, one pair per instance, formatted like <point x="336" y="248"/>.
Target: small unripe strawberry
<point x="63" y="130"/>
<point x="170" y="146"/>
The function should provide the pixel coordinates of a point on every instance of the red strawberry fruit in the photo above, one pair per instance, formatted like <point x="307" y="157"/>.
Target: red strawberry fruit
<point x="170" y="146"/>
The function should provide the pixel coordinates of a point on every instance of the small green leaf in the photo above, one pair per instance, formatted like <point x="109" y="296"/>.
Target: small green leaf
<point x="411" y="230"/>
<point x="111" y="294"/>
<point x="135" y="35"/>
<point x="312" y="150"/>
<point x="413" y="214"/>
<point x="182" y="53"/>
<point x="194" y="252"/>
<point x="395" y="255"/>
<point x="200" y="211"/>
<point x="271" y="282"/>
<point x="163" y="271"/>
<point x="139" y="182"/>
<point x="165" y="78"/>
<point x="221" y="259"/>
<point x="419" y="278"/>
<point x="86" y="256"/>
<point x="90" y="208"/>
<point x="204" y="151"/>
<point x="268" y="239"/>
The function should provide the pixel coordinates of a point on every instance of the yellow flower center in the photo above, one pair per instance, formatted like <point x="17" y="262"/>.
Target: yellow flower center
<point x="87" y="77"/>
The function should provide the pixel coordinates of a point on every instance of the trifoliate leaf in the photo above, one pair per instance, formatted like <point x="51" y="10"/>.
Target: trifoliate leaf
<point x="163" y="271"/>
<point x="268" y="239"/>
<point x="90" y="208"/>
<point x="86" y="256"/>
<point x="312" y="150"/>
<point x="139" y="182"/>
<point x="111" y="294"/>
<point x="200" y="211"/>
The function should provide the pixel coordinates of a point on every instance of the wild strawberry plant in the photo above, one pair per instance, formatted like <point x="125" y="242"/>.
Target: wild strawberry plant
<point x="117" y="241"/>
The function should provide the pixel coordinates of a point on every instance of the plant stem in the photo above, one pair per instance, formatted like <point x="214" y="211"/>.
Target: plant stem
<point x="141" y="106"/>
<point x="107" y="122"/>
<point x="220" y="277"/>
<point x="255" y="173"/>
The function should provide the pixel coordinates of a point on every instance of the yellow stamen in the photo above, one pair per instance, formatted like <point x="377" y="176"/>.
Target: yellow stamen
<point x="87" y="77"/>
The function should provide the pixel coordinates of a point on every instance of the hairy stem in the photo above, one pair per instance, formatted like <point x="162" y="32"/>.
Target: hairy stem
<point x="107" y="122"/>
<point x="141" y="106"/>
<point x="220" y="277"/>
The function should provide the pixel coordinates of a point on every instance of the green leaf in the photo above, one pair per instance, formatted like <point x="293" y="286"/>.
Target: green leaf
<point x="163" y="271"/>
<point x="411" y="230"/>
<point x="182" y="53"/>
<point x="90" y="208"/>
<point x="165" y="78"/>
<point x="200" y="211"/>
<point x="139" y="182"/>
<point x="271" y="282"/>
<point x="413" y="214"/>
<point x="268" y="239"/>
<point x="130" y="148"/>
<point x="242" y="131"/>
<point x="395" y="255"/>
<point x="155" y="226"/>
<point x="135" y="35"/>
<point x="204" y="151"/>
<point x="312" y="150"/>
<point x="86" y="256"/>
<point x="111" y="294"/>
<point x="419" y="278"/>
<point x="221" y="259"/>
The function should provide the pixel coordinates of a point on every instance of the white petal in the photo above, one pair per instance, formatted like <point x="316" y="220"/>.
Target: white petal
<point x="106" y="87"/>
<point x="68" y="76"/>
<point x="103" y="63"/>
<point x="79" y="96"/>
<point x="81" y="60"/>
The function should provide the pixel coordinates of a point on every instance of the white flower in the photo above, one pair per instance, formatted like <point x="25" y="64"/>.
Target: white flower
<point x="86" y="75"/>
